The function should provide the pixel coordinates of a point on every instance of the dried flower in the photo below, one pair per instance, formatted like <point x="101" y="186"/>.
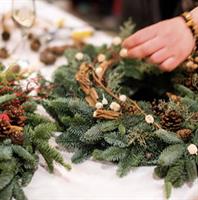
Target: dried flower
<point x="98" y="71"/>
<point x="123" y="98"/>
<point x="104" y="100"/>
<point x="101" y="58"/>
<point x="192" y="149"/>
<point x="79" y="56"/>
<point x="123" y="53"/>
<point x="116" y="41"/>
<point x="99" y="105"/>
<point x="115" y="106"/>
<point x="149" y="119"/>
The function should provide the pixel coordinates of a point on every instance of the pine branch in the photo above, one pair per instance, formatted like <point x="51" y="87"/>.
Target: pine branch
<point x="96" y="133"/>
<point x="116" y="139"/>
<point x="168" y="189"/>
<point x="81" y="155"/>
<point x="18" y="193"/>
<point x="5" y="179"/>
<point x="131" y="160"/>
<point x="114" y="154"/>
<point x="6" y="98"/>
<point x="171" y="154"/>
<point x="191" y="169"/>
<point x="168" y="137"/>
<point x="176" y="174"/>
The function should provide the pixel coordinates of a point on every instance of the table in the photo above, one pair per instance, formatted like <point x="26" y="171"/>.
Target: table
<point x="92" y="180"/>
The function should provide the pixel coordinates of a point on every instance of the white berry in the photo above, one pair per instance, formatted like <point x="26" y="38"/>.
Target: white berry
<point x="115" y="106"/>
<point x="79" y="56"/>
<point x="117" y="41"/>
<point x="99" y="105"/>
<point x="101" y="58"/>
<point x="149" y="119"/>
<point x="123" y="98"/>
<point x="192" y="149"/>
<point x="99" y="70"/>
<point x="104" y="101"/>
<point x="123" y="53"/>
<point x="94" y="114"/>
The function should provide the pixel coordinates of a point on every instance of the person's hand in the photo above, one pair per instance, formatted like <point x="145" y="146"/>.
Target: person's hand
<point x="167" y="43"/>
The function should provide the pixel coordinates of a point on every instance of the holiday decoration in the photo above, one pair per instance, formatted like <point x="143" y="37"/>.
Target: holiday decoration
<point x="149" y="118"/>
<point x="101" y="58"/>
<point x="24" y="135"/>
<point x="117" y="41"/>
<point x="192" y="149"/>
<point x="123" y="53"/>
<point x="79" y="56"/>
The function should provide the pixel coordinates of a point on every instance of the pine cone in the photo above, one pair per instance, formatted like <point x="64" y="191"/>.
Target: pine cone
<point x="195" y="116"/>
<point x="158" y="107"/>
<point x="192" y="81"/>
<point x="16" y="115"/>
<point x="171" y="120"/>
<point x="15" y="133"/>
<point x="184" y="133"/>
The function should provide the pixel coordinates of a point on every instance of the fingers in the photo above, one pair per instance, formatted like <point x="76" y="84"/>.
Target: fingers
<point x="139" y="37"/>
<point x="169" y="64"/>
<point x="146" y="49"/>
<point x="160" y="56"/>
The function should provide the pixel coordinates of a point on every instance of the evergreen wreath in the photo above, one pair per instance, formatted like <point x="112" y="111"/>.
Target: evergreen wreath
<point x="127" y="111"/>
<point x="24" y="135"/>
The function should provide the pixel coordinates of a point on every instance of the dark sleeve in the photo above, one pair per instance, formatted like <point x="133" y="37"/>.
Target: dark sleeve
<point x="143" y="12"/>
<point x="147" y="12"/>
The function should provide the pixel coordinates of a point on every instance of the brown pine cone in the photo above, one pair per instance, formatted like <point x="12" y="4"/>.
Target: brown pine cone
<point x="16" y="115"/>
<point x="195" y="116"/>
<point x="47" y="57"/>
<point x="158" y="107"/>
<point x="191" y="81"/>
<point x="16" y="134"/>
<point x="184" y="133"/>
<point x="35" y="44"/>
<point x="171" y="120"/>
<point x="5" y="35"/>
<point x="4" y="53"/>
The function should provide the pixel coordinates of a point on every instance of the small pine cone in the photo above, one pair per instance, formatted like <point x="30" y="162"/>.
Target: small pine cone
<point x="16" y="134"/>
<point x="171" y="120"/>
<point x="158" y="107"/>
<point x="195" y="116"/>
<point x="16" y="115"/>
<point x="184" y="133"/>
<point x="195" y="81"/>
<point x="192" y="82"/>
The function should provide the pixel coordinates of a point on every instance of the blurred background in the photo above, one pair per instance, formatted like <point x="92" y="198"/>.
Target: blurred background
<point x="109" y="14"/>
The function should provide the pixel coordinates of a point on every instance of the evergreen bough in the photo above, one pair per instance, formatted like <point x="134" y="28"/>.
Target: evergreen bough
<point x="129" y="140"/>
<point x="18" y="162"/>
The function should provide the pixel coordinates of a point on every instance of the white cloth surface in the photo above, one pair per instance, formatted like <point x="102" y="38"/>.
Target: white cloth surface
<point x="92" y="180"/>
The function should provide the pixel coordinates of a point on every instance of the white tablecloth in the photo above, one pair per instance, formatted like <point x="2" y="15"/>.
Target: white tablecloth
<point x="92" y="180"/>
